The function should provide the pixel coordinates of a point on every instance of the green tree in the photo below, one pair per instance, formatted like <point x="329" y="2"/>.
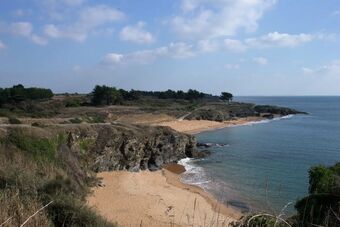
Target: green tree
<point x="226" y="96"/>
<point x="104" y="95"/>
<point x="322" y="206"/>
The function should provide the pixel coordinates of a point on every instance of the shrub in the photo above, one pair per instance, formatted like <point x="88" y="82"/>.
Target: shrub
<point x="39" y="148"/>
<point x="14" y="121"/>
<point x="76" y="120"/>
<point x="67" y="211"/>
<point x="37" y="124"/>
<point x="26" y="185"/>
<point x="322" y="205"/>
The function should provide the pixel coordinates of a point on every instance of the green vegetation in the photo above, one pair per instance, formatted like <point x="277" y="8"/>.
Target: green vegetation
<point x="86" y="144"/>
<point x="322" y="206"/>
<point x="76" y="120"/>
<point x="226" y="96"/>
<point x="104" y="95"/>
<point x="39" y="148"/>
<point x="19" y="93"/>
<point x="35" y="171"/>
<point x="14" y="121"/>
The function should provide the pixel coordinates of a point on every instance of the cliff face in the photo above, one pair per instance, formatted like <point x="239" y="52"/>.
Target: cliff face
<point x="122" y="147"/>
<point x="106" y="147"/>
<point x="222" y="111"/>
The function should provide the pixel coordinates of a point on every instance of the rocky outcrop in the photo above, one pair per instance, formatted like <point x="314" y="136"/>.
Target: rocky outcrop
<point x="283" y="111"/>
<point x="223" y="112"/>
<point x="106" y="147"/>
<point x="139" y="147"/>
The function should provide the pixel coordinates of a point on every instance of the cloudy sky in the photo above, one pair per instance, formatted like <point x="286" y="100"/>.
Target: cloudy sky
<point x="248" y="47"/>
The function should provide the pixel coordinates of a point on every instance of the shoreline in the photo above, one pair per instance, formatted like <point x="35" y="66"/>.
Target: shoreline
<point x="157" y="199"/>
<point x="197" y="126"/>
<point x="161" y="198"/>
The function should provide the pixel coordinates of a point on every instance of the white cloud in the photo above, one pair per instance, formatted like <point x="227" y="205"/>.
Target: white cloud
<point x="25" y="29"/>
<point x="22" y="12"/>
<point x="232" y="66"/>
<point x="21" y="28"/>
<point x="38" y="39"/>
<point x="332" y="68"/>
<point x="98" y="15"/>
<point x="216" y="18"/>
<point x="280" y="39"/>
<point x="173" y="50"/>
<point x="136" y="33"/>
<point x="335" y="13"/>
<point x="2" y="45"/>
<point x="189" y="5"/>
<point x="113" y="58"/>
<point x="260" y="60"/>
<point x="89" y="19"/>
<point x="306" y="70"/>
<point x="235" y="45"/>
<point x="52" y="31"/>
<point x="274" y="39"/>
<point x="73" y="2"/>
<point x="207" y="46"/>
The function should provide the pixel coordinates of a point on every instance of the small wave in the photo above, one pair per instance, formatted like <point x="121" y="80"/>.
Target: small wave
<point x="265" y="121"/>
<point x="194" y="175"/>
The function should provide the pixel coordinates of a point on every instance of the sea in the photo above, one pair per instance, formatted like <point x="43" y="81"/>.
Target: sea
<point x="263" y="166"/>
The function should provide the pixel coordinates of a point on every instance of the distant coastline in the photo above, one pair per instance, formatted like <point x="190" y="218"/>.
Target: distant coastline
<point x="197" y="126"/>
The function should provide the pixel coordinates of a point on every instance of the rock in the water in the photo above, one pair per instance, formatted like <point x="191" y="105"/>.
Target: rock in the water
<point x="268" y="116"/>
<point x="201" y="154"/>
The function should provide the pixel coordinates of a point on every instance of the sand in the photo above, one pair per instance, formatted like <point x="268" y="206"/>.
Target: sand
<point x="197" y="126"/>
<point x="157" y="199"/>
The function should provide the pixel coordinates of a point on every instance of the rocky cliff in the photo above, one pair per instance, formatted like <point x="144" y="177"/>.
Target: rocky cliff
<point x="223" y="112"/>
<point x="106" y="147"/>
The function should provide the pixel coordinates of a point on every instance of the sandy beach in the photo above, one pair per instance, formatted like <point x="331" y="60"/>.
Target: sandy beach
<point x="197" y="126"/>
<point x="157" y="199"/>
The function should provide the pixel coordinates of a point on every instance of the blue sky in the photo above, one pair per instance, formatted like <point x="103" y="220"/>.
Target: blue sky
<point x="248" y="47"/>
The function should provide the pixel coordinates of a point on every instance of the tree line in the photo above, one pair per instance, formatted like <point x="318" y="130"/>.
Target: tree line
<point x="19" y="93"/>
<point x="105" y="95"/>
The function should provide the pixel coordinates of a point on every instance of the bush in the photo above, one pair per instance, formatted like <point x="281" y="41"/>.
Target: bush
<point x="322" y="205"/>
<point x="39" y="148"/>
<point x="26" y="185"/>
<point x="67" y="211"/>
<point x="14" y="121"/>
<point x="73" y="103"/>
<point x="37" y="124"/>
<point x="76" y="120"/>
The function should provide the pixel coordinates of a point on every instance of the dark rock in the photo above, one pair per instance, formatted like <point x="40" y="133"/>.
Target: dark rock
<point x="269" y="116"/>
<point x="201" y="154"/>
<point x="223" y="112"/>
<point x="130" y="147"/>
<point x="206" y="145"/>
<point x="276" y="110"/>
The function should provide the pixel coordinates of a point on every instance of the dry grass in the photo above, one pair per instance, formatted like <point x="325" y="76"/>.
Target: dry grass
<point x="31" y="176"/>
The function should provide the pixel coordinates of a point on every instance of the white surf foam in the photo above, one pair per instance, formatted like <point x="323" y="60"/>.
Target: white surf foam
<point x="264" y="121"/>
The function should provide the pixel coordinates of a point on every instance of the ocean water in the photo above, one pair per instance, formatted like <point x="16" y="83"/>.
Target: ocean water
<point x="264" y="166"/>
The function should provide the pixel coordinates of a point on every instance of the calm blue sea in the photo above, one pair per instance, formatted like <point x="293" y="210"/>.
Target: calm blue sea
<point x="264" y="166"/>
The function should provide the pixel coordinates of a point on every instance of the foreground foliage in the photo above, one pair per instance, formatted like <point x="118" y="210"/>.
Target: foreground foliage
<point x="322" y="206"/>
<point x="35" y="171"/>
